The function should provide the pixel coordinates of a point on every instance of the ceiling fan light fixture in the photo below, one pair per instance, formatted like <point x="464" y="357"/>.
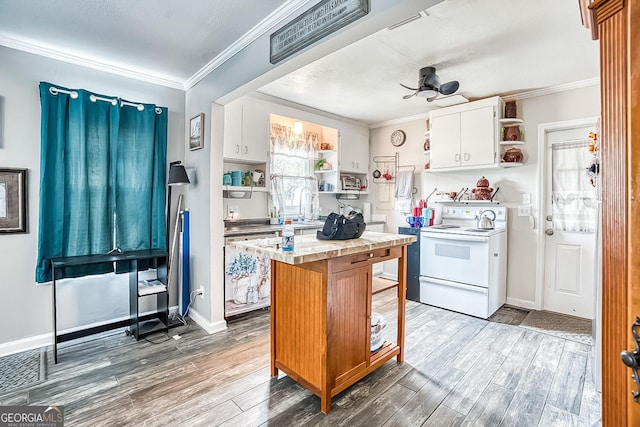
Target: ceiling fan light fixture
<point x="427" y="93"/>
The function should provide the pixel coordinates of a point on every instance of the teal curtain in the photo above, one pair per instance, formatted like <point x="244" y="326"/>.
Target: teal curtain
<point x="102" y="178"/>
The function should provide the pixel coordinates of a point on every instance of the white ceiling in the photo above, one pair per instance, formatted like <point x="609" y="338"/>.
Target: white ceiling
<point x="491" y="46"/>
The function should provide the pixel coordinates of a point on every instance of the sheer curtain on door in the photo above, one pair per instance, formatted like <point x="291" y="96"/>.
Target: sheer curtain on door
<point x="573" y="197"/>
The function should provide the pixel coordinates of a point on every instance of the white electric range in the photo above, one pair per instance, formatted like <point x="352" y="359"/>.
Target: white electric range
<point x="463" y="268"/>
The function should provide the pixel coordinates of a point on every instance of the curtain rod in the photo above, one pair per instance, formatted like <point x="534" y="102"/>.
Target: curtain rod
<point x="93" y="98"/>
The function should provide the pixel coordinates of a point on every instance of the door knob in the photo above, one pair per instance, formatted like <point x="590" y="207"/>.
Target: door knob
<point x="549" y="218"/>
<point x="632" y="358"/>
<point x="548" y="232"/>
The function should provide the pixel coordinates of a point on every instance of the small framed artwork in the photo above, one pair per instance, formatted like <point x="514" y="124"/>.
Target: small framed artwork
<point x="196" y="132"/>
<point x="13" y="200"/>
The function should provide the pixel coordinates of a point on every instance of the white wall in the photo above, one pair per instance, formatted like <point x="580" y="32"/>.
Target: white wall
<point x="25" y="308"/>
<point x="522" y="241"/>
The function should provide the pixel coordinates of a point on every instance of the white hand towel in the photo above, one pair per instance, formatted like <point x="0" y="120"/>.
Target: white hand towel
<point x="404" y="191"/>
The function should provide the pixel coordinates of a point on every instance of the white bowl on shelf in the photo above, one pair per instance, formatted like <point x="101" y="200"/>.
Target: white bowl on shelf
<point x="236" y="194"/>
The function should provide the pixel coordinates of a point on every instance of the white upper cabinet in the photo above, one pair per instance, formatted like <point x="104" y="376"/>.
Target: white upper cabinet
<point x="465" y="136"/>
<point x="354" y="150"/>
<point x="246" y="131"/>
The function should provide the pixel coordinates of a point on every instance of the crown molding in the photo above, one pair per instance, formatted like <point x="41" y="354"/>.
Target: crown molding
<point x="552" y="89"/>
<point x="247" y="38"/>
<point x="70" y="58"/>
<point x="514" y="97"/>
<point x="399" y="120"/>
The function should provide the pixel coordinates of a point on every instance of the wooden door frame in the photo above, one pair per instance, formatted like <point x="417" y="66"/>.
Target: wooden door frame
<point x="543" y="130"/>
<point x="620" y="100"/>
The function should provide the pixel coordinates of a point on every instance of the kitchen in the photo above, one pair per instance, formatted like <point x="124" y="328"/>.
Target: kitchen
<point x="543" y="108"/>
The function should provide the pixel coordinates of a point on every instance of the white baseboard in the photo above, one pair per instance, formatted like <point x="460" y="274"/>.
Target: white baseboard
<point x="210" y="328"/>
<point x="522" y="303"/>
<point x="45" y="340"/>
<point x="25" y="344"/>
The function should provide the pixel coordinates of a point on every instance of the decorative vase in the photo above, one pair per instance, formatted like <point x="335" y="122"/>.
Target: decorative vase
<point x="512" y="133"/>
<point x="512" y="155"/>
<point x="510" y="110"/>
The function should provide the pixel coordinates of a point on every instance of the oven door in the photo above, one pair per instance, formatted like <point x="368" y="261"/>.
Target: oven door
<point x="455" y="257"/>
<point x="247" y="278"/>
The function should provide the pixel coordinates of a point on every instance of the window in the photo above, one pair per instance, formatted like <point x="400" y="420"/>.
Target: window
<point x="293" y="151"/>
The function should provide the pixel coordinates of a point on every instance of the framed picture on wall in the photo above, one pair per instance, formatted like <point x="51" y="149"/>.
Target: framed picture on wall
<point x="13" y="200"/>
<point x="196" y="132"/>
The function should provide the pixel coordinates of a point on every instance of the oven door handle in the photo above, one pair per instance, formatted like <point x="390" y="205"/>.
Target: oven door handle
<point x="458" y="237"/>
<point x="478" y="289"/>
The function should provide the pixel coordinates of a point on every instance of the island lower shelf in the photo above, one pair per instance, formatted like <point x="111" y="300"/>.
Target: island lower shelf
<point x="321" y="320"/>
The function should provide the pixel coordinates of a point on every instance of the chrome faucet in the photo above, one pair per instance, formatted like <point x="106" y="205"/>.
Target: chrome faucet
<point x="304" y="215"/>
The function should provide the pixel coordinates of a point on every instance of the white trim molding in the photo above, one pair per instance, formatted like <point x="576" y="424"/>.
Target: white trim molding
<point x="399" y="120"/>
<point x="210" y="328"/>
<point x="94" y="64"/>
<point x="552" y="89"/>
<point x="273" y="19"/>
<point x="521" y="303"/>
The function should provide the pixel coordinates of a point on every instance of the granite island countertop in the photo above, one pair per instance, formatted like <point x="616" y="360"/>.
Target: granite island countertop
<point x="308" y="248"/>
<point x="248" y="230"/>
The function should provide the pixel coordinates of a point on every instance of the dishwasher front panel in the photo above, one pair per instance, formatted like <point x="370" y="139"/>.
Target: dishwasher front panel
<point x="247" y="278"/>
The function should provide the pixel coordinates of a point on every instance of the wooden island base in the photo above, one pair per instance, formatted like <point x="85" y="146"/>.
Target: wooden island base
<point x="321" y="320"/>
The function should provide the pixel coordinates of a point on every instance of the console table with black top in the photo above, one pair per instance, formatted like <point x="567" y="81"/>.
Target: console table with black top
<point x="126" y="262"/>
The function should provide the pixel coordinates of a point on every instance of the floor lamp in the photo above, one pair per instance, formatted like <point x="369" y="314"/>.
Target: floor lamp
<point x="177" y="176"/>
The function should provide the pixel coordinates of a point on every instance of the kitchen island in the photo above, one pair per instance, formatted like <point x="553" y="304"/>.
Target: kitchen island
<point x="321" y="308"/>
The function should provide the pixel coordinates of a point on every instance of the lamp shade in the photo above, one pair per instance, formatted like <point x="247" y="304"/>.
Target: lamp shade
<point x="178" y="175"/>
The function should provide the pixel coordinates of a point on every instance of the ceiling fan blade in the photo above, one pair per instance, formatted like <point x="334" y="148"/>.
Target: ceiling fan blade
<point x="409" y="96"/>
<point x="449" y="87"/>
<point x="407" y="87"/>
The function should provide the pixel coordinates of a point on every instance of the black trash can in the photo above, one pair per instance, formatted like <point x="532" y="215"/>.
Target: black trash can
<point x="413" y="264"/>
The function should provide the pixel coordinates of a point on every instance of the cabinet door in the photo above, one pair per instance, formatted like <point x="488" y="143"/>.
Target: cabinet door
<point x="477" y="137"/>
<point x="255" y="131"/>
<point x="348" y="323"/>
<point x="232" y="145"/>
<point x="354" y="151"/>
<point x="445" y="141"/>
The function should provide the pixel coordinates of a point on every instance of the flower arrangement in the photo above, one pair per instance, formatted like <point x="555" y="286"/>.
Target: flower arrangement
<point x="242" y="265"/>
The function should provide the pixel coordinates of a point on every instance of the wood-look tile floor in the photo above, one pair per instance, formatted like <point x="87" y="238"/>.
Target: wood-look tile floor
<point x="459" y="371"/>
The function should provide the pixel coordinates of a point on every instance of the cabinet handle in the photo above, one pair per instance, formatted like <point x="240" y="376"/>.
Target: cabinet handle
<point x="457" y="158"/>
<point x="237" y="148"/>
<point x="467" y="156"/>
<point x="246" y="150"/>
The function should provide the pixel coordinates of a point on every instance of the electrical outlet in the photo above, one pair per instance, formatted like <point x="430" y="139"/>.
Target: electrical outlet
<point x="201" y="292"/>
<point x="524" y="210"/>
<point x="232" y="211"/>
<point x="526" y="198"/>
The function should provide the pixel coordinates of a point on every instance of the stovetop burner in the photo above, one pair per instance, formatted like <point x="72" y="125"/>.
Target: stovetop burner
<point x="445" y="226"/>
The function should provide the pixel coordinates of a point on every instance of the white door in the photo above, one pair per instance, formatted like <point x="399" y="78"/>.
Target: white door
<point x="570" y="224"/>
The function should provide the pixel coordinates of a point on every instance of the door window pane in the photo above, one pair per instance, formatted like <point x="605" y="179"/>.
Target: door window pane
<point x="574" y="201"/>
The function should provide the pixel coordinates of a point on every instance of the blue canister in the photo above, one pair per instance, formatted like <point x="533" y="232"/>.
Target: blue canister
<point x="226" y="179"/>
<point x="236" y="178"/>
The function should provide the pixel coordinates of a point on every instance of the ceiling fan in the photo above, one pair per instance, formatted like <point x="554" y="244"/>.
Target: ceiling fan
<point x="429" y="85"/>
